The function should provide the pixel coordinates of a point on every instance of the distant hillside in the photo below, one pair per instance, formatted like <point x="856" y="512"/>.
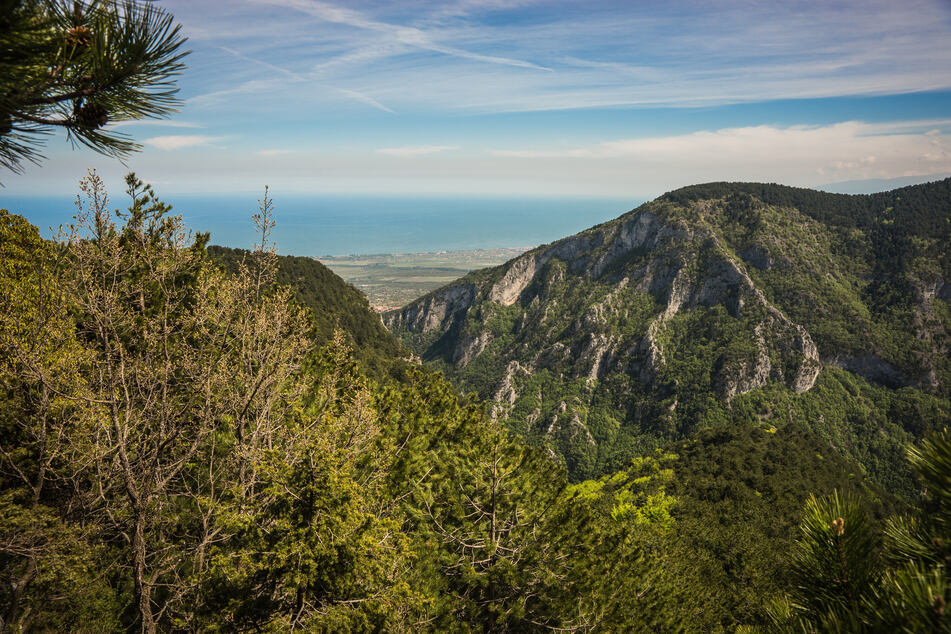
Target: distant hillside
<point x="714" y="303"/>
<point x="334" y="304"/>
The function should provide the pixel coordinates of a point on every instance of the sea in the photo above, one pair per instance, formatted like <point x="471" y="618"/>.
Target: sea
<point x="312" y="225"/>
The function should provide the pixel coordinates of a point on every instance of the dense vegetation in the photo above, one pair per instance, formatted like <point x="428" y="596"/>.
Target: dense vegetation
<point x="334" y="305"/>
<point x="700" y="310"/>
<point x="909" y="210"/>
<point x="198" y="438"/>
<point x="852" y="575"/>
<point x="183" y="446"/>
<point x="740" y="492"/>
<point x="178" y="447"/>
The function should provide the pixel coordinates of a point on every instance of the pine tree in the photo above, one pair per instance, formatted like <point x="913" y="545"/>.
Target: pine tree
<point x="846" y="582"/>
<point x="80" y="66"/>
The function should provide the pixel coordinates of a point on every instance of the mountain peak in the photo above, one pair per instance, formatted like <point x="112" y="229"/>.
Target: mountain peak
<point x="657" y="322"/>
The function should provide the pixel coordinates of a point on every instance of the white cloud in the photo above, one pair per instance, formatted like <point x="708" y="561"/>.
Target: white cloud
<point x="419" y="150"/>
<point x="636" y="168"/>
<point x="435" y="56"/>
<point x="176" y="142"/>
<point x="410" y="36"/>
<point x="793" y="155"/>
<point x="466" y="57"/>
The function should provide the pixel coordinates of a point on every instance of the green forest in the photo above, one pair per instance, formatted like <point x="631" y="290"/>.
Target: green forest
<point x="189" y="445"/>
<point x="724" y="411"/>
<point x="762" y="305"/>
<point x="334" y="307"/>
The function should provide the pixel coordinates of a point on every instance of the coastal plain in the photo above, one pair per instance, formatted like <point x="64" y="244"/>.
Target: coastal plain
<point x="392" y="280"/>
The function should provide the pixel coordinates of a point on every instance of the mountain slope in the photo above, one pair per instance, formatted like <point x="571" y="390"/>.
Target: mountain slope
<point x="333" y="303"/>
<point x="741" y="490"/>
<point x="712" y="303"/>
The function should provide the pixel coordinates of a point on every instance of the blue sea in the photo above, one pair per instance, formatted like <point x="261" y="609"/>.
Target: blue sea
<point x="345" y="225"/>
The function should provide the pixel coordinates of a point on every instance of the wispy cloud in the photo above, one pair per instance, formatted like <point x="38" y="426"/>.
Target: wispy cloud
<point x="175" y="142"/>
<point x="581" y="97"/>
<point x="362" y="98"/>
<point x="475" y="56"/>
<point x="419" y="150"/>
<point x="263" y="87"/>
<point x="363" y="55"/>
<point x="407" y="35"/>
<point x="267" y="65"/>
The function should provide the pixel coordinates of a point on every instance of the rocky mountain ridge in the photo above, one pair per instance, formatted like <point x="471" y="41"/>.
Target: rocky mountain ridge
<point x="653" y="324"/>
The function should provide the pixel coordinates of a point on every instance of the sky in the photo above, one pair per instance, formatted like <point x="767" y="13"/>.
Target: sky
<point x="524" y="98"/>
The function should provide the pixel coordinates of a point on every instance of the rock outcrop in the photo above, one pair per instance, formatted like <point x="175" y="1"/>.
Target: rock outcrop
<point x="639" y="252"/>
<point x="637" y="317"/>
<point x="437" y="310"/>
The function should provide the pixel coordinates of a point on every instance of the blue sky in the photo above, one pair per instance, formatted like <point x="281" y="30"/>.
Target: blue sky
<point x="512" y="97"/>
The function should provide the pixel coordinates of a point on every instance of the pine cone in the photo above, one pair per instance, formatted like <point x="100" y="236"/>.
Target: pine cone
<point x="78" y="36"/>
<point x="91" y="115"/>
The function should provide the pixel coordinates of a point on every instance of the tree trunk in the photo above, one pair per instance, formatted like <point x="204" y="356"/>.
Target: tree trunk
<point x="20" y="585"/>
<point x="143" y="589"/>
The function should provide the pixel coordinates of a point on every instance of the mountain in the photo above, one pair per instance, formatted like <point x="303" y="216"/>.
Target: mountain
<point x="333" y="304"/>
<point x="283" y="490"/>
<point x="716" y="303"/>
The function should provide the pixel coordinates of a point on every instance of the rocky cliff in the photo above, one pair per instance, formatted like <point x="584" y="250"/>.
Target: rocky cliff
<point x="648" y="326"/>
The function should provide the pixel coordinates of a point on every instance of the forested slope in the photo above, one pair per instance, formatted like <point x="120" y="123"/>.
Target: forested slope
<point x="180" y="449"/>
<point x="177" y="451"/>
<point x="719" y="303"/>
<point x="334" y="305"/>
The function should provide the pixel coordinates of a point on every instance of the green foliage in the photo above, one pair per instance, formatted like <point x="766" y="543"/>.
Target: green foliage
<point x="311" y="551"/>
<point x="845" y="584"/>
<point x="835" y="564"/>
<point x="79" y="66"/>
<point x="741" y="489"/>
<point x="635" y="496"/>
<point x="509" y="546"/>
<point x="42" y="556"/>
<point x="181" y="442"/>
<point x="192" y="463"/>
<point x="621" y="349"/>
<point x="912" y="208"/>
<point x="43" y="561"/>
<point x="156" y="420"/>
<point x="333" y="304"/>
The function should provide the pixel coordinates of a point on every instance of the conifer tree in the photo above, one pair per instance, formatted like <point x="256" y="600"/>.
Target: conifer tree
<point x="846" y="582"/>
<point x="80" y="66"/>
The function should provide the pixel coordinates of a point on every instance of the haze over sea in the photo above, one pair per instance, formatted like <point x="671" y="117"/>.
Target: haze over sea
<point x="311" y="225"/>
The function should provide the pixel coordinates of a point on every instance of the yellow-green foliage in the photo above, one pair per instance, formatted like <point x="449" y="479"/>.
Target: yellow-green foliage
<point x="636" y="495"/>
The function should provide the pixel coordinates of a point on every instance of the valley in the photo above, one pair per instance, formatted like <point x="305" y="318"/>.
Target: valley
<point x="475" y="317"/>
